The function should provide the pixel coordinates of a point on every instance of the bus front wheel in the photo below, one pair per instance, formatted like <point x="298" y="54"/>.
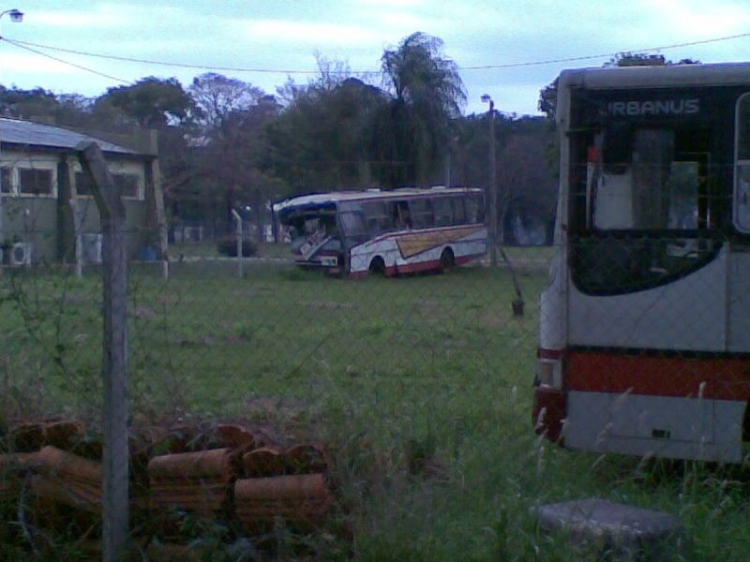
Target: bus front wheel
<point x="377" y="266"/>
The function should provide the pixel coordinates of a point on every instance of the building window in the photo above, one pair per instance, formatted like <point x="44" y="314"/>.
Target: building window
<point x="33" y="181"/>
<point x="6" y="179"/>
<point x="128" y="184"/>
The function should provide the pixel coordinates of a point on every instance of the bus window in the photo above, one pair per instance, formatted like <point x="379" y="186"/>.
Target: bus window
<point x="652" y="158"/>
<point x="474" y="210"/>
<point x="459" y="213"/>
<point x="377" y="217"/>
<point x="352" y="222"/>
<point x="421" y="213"/>
<point x="742" y="173"/>
<point x="400" y="214"/>
<point x="443" y="211"/>
<point x="650" y="190"/>
<point x="684" y="178"/>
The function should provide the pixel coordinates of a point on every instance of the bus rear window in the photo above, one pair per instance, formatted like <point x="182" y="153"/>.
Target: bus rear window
<point x="659" y="186"/>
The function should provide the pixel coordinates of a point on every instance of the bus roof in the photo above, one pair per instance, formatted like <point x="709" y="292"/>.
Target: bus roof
<point x="675" y="75"/>
<point x="314" y="200"/>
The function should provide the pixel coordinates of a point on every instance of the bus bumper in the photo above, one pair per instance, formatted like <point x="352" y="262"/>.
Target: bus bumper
<point x="548" y="412"/>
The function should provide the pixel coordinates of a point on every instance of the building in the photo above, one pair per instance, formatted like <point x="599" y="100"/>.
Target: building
<point x="47" y="204"/>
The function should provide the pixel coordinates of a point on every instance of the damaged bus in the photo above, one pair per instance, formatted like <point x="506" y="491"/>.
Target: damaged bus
<point x="392" y="232"/>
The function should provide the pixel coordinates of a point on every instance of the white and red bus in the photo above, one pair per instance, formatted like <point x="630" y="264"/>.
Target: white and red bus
<point x="644" y="343"/>
<point x="388" y="232"/>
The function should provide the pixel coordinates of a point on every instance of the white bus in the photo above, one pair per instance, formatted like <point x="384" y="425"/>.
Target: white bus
<point x="644" y="344"/>
<point x="388" y="232"/>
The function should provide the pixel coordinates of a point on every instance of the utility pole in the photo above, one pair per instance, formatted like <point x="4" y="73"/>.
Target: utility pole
<point x="492" y="188"/>
<point x="16" y="16"/>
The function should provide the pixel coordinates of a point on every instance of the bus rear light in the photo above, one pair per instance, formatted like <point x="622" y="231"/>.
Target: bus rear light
<point x="549" y="371"/>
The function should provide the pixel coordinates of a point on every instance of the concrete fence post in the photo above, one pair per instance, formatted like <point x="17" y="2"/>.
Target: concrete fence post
<point x="115" y="353"/>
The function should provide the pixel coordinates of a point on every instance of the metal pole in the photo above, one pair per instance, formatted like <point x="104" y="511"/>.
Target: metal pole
<point x="240" y="241"/>
<point x="16" y="16"/>
<point x="492" y="188"/>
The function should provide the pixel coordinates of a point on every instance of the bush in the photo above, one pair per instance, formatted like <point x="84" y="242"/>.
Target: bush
<point x="227" y="246"/>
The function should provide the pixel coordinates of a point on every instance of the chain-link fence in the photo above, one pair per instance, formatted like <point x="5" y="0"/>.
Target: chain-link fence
<point x="407" y="399"/>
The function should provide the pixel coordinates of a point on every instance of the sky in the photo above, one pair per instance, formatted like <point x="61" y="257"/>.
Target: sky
<point x="507" y="49"/>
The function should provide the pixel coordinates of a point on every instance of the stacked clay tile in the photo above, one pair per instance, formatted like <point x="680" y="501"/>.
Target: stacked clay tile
<point x="219" y="471"/>
<point x="289" y="485"/>
<point x="198" y="473"/>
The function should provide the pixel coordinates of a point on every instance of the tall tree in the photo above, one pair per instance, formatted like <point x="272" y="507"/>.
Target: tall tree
<point x="27" y="103"/>
<point x="321" y="140"/>
<point x="428" y="94"/>
<point x="152" y="102"/>
<point x="218" y="96"/>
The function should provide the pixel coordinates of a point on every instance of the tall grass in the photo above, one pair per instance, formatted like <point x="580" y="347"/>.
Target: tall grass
<point x="420" y="385"/>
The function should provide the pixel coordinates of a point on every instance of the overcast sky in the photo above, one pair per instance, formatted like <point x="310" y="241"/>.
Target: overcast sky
<point x="509" y="49"/>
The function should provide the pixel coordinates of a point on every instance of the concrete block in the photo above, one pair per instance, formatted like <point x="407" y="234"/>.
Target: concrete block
<point x="614" y="532"/>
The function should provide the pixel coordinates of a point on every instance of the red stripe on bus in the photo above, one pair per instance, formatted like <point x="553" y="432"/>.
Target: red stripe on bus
<point x="721" y="378"/>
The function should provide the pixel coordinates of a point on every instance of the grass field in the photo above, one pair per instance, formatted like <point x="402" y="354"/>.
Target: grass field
<point x="421" y="385"/>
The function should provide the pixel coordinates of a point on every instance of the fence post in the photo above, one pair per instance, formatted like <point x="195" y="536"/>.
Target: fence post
<point x="240" y="241"/>
<point x="115" y="352"/>
<point x="78" y="237"/>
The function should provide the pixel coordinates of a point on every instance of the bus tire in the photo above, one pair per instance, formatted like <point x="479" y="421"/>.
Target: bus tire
<point x="377" y="266"/>
<point x="447" y="260"/>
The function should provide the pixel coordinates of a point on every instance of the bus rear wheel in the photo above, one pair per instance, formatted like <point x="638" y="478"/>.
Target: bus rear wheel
<point x="377" y="266"/>
<point x="447" y="260"/>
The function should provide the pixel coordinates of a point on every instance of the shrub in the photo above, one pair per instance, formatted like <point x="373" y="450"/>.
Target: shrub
<point x="227" y="246"/>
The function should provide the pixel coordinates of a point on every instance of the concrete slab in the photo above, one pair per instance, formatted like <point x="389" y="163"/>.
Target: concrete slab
<point x="614" y="532"/>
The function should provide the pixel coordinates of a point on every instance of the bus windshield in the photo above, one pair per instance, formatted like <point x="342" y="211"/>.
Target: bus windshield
<point x="650" y="213"/>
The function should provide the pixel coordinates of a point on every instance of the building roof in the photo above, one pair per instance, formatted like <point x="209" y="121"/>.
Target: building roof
<point x="28" y="133"/>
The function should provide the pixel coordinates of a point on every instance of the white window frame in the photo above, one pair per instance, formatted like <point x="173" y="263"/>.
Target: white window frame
<point x="25" y="162"/>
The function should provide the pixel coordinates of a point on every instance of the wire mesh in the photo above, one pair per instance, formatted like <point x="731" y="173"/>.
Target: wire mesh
<point x="419" y="389"/>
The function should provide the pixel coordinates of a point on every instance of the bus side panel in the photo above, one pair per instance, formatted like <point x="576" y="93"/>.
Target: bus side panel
<point x="739" y="301"/>
<point x="413" y="251"/>
<point x="673" y="427"/>
<point x="671" y="317"/>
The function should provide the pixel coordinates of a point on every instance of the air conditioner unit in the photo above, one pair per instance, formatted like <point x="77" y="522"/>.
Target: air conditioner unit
<point x="20" y="254"/>
<point x="91" y="248"/>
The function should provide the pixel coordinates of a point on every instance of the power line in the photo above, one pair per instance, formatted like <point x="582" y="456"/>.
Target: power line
<point x="590" y="57"/>
<point x="27" y="45"/>
<point x="22" y="45"/>
<point x="32" y="46"/>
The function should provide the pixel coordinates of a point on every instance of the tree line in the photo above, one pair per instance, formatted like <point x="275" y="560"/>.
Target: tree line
<point x="225" y="144"/>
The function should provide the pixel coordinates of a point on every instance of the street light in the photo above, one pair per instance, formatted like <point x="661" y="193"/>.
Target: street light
<point x="492" y="188"/>
<point x="16" y="16"/>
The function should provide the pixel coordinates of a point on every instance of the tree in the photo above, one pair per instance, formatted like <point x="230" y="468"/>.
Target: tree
<point x="321" y="140"/>
<point x="527" y="189"/>
<point x="636" y="59"/>
<point x="151" y="102"/>
<point x="415" y="129"/>
<point x="218" y="96"/>
<point x="27" y="103"/>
